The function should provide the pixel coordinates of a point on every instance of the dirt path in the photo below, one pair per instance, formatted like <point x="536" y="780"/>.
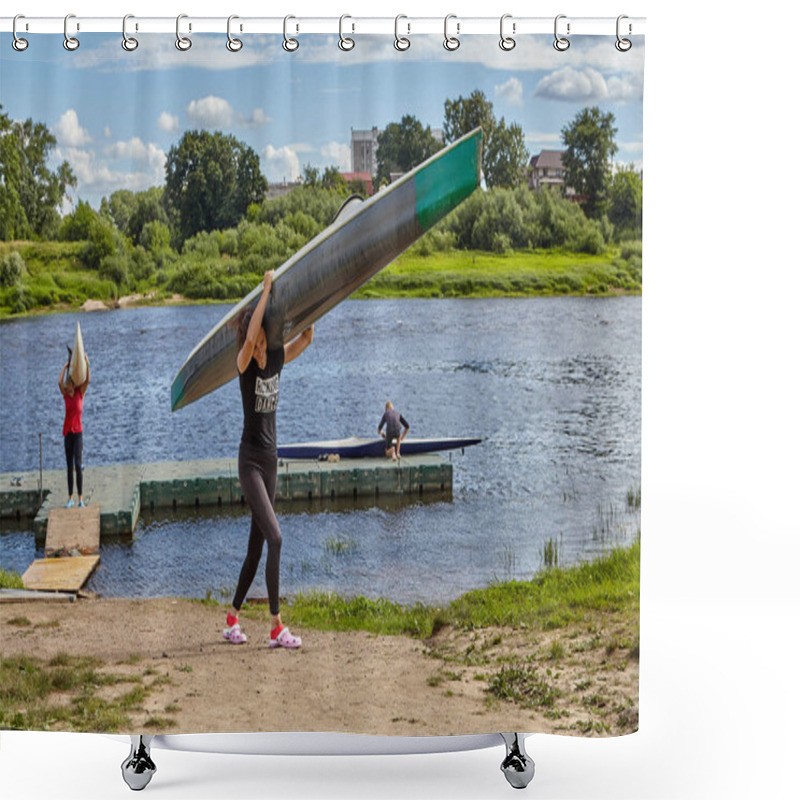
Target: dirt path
<point x="352" y="682"/>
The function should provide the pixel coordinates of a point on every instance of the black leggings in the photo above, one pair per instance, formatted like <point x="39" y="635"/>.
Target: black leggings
<point x="258" y="476"/>
<point x="73" y="447"/>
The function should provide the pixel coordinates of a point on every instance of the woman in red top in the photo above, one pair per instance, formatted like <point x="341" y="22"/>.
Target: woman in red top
<point x="73" y="429"/>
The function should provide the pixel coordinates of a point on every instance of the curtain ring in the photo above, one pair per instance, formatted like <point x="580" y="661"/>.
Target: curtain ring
<point x="561" y="43"/>
<point x="623" y="45"/>
<point x="19" y="44"/>
<point x="345" y="42"/>
<point x="289" y="44"/>
<point x="507" y="42"/>
<point x="128" y="42"/>
<point x="400" y="42"/>
<point x="451" y="43"/>
<point x="233" y="44"/>
<point x="183" y="43"/>
<point x="70" y="42"/>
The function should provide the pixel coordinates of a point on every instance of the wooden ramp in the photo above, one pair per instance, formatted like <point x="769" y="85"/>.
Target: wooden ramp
<point x="73" y="530"/>
<point x="60" y="574"/>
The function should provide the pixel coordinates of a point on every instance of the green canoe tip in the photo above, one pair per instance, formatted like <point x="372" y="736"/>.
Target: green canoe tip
<point x="448" y="180"/>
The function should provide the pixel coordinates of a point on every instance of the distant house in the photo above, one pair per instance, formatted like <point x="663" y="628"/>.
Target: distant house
<point x="364" y="177"/>
<point x="547" y="171"/>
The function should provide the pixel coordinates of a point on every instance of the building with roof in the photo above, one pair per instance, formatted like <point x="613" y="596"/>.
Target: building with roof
<point x="547" y="171"/>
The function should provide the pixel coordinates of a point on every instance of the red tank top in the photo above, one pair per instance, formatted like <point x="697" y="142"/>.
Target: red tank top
<point x="73" y="422"/>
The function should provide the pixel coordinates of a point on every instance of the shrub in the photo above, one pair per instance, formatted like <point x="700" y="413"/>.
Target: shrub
<point x="204" y="244"/>
<point x="12" y="268"/>
<point x="101" y="243"/>
<point x="115" y="268"/>
<point x="77" y="226"/>
<point x="631" y="248"/>
<point x="19" y="301"/>
<point x="155" y="236"/>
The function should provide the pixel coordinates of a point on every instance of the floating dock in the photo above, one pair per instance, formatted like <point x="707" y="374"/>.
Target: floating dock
<point x="121" y="491"/>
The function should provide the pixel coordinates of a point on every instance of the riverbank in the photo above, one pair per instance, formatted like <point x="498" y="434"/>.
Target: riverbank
<point x="54" y="278"/>
<point x="556" y="654"/>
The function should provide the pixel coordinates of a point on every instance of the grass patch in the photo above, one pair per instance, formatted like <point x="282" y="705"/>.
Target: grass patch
<point x="336" y="545"/>
<point x="61" y="694"/>
<point x="554" y="599"/>
<point x="19" y="622"/>
<point x="10" y="580"/>
<point x="523" y="685"/>
<point x="520" y="273"/>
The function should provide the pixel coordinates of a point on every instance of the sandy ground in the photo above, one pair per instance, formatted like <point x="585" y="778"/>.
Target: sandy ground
<point x="126" y="301"/>
<point x="351" y="682"/>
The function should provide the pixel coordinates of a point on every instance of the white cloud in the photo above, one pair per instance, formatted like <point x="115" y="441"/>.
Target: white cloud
<point x="510" y="91"/>
<point x="168" y="122"/>
<point x="210" y="112"/>
<point x="107" y="132"/>
<point x="257" y="119"/>
<point x="281" y="164"/>
<point x="130" y="165"/>
<point x="69" y="132"/>
<point x="339" y="154"/>
<point x="137" y="151"/>
<point x="587" y="85"/>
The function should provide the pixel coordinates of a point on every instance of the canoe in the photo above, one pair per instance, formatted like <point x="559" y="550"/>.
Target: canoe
<point x="364" y="237"/>
<point x="359" y="447"/>
<point x="77" y="363"/>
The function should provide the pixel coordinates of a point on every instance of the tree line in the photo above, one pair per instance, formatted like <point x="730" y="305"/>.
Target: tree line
<point x="210" y="227"/>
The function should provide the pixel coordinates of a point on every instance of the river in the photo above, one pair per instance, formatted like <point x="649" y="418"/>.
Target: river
<point x="552" y="385"/>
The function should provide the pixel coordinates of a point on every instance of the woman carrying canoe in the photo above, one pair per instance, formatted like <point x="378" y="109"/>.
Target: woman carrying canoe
<point x="259" y="382"/>
<point x="73" y="429"/>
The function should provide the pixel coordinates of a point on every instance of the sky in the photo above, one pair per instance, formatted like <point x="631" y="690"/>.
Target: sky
<point x="116" y="114"/>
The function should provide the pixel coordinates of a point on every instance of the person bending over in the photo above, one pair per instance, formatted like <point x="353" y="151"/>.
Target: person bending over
<point x="259" y="382"/>
<point x="393" y="420"/>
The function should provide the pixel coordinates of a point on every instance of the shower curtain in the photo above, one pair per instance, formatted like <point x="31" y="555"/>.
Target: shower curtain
<point x="148" y="183"/>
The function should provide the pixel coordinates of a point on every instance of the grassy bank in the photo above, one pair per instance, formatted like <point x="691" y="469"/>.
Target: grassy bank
<point x="55" y="276"/>
<point x="534" y="273"/>
<point x="556" y="598"/>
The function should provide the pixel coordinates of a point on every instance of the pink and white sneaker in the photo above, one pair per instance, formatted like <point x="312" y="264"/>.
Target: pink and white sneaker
<point x="285" y="639"/>
<point x="234" y="634"/>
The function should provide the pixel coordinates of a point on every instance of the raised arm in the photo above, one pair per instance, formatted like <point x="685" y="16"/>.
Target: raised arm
<point x="85" y="385"/>
<point x="298" y="345"/>
<point x="246" y="353"/>
<point x="62" y="388"/>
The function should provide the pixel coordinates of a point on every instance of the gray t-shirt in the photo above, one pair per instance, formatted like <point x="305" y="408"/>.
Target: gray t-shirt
<point x="392" y="419"/>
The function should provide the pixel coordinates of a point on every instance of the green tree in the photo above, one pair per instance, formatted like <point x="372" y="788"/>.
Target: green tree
<point x="77" y="226"/>
<point x="148" y="207"/>
<point x="211" y="179"/>
<point x="505" y="156"/>
<point x="119" y="207"/>
<point x="467" y="113"/>
<point x="625" y="208"/>
<point x="333" y="179"/>
<point x="403" y="145"/>
<point x="508" y="157"/>
<point x="311" y="176"/>
<point x="30" y="193"/>
<point x="590" y="147"/>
